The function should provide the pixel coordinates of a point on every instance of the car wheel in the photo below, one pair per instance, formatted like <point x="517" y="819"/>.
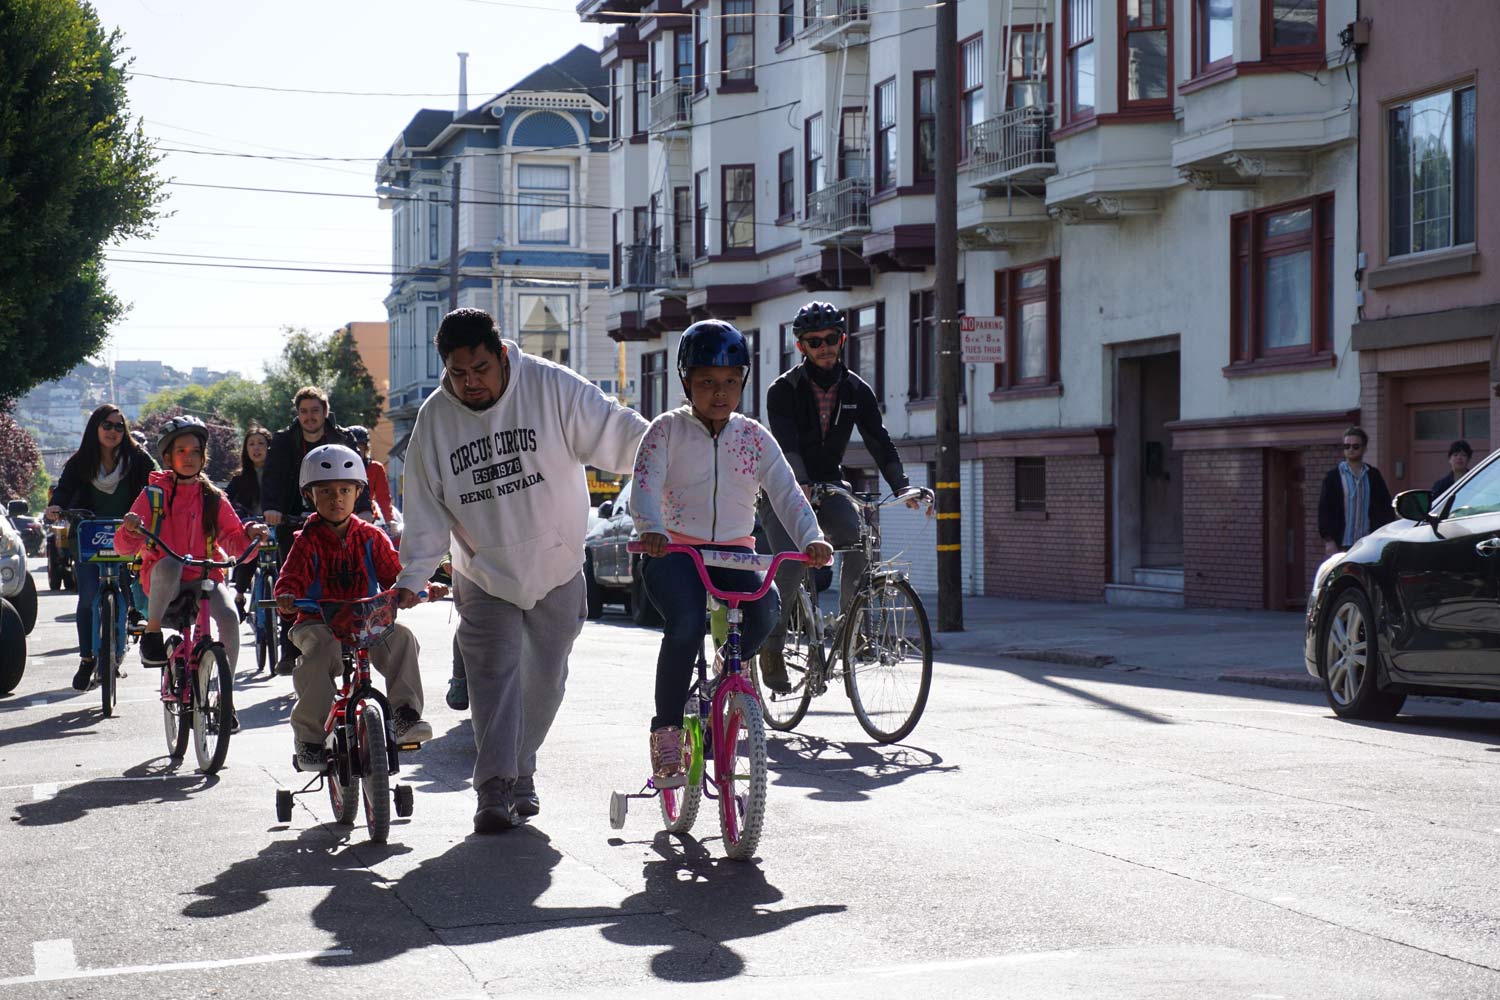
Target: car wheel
<point x="1349" y="656"/>
<point x="12" y="647"/>
<point x="642" y="611"/>
<point x="25" y="603"/>
<point x="594" y="595"/>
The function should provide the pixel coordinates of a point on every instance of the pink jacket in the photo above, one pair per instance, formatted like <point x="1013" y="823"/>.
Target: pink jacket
<point x="182" y="527"/>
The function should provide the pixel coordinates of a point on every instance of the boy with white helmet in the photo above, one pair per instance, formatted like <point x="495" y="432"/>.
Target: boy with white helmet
<point x="339" y="557"/>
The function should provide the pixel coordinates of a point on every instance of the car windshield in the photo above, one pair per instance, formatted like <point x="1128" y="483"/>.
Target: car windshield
<point x="1480" y="495"/>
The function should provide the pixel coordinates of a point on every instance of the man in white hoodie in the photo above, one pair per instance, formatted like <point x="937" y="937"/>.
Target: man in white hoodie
<point x="495" y="475"/>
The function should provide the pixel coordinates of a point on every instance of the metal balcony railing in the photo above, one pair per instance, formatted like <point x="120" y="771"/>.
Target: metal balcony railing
<point x="1012" y="145"/>
<point x="671" y="108"/>
<point x="822" y="20"/>
<point x="638" y="267"/>
<point x="840" y="207"/>
<point x="674" y="268"/>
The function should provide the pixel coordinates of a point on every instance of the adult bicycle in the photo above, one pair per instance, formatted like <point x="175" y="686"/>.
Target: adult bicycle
<point x="359" y="737"/>
<point x="881" y="649"/>
<point x="112" y="603"/>
<point x="197" y="683"/>
<point x="721" y="721"/>
<point x="263" y="622"/>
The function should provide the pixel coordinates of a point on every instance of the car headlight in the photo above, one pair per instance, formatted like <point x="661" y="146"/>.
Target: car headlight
<point x="10" y="542"/>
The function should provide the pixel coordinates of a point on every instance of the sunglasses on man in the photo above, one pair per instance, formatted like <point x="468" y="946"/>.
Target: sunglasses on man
<point x="832" y="340"/>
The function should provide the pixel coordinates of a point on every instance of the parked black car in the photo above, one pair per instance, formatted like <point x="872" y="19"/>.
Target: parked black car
<point x="1413" y="607"/>
<point x="611" y="573"/>
<point x="33" y="535"/>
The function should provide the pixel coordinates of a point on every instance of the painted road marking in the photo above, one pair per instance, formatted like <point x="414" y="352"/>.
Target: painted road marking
<point x="54" y="972"/>
<point x="59" y="785"/>
<point x="45" y="790"/>
<point x="54" y="959"/>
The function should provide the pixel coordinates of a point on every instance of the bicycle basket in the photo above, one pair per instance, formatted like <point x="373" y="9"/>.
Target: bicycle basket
<point x="360" y="624"/>
<point x="96" y="542"/>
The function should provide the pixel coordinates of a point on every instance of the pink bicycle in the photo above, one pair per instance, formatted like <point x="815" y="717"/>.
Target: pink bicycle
<point x="722" y="721"/>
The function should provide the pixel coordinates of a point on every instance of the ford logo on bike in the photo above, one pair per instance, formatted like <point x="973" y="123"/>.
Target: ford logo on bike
<point x="104" y="539"/>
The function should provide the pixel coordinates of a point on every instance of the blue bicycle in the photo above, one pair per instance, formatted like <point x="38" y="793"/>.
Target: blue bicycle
<point x="112" y="604"/>
<point x="262" y="605"/>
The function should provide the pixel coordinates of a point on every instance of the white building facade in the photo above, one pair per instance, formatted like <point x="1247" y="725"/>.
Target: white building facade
<point x="1158" y="196"/>
<point x="531" y="169"/>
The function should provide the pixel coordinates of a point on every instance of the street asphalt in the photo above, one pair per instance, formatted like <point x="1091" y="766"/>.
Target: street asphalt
<point x="1087" y="809"/>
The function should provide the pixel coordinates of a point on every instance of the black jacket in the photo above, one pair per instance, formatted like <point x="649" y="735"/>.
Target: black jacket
<point x="792" y="412"/>
<point x="1442" y="484"/>
<point x="1331" y="504"/>
<point x="75" y="491"/>
<point x="278" y="485"/>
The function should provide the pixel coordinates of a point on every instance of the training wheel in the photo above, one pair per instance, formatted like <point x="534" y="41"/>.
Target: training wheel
<point x="619" y="805"/>
<point x="403" y="800"/>
<point x="283" y="805"/>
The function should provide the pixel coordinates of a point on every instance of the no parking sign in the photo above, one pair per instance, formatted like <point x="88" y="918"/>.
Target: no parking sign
<point x="983" y="339"/>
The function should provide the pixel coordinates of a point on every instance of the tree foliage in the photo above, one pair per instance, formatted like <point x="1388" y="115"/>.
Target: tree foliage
<point x="234" y="400"/>
<point x="223" y="442"/>
<point x="332" y="363"/>
<point x="75" y="175"/>
<point x="19" y="459"/>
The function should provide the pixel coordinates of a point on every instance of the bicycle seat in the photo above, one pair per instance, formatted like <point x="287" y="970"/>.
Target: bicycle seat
<point x="181" y="612"/>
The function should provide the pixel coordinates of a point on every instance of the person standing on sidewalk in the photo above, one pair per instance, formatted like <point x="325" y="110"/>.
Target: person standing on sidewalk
<point x="1354" y="500"/>
<point x="495" y="475"/>
<point x="812" y="409"/>
<point x="1460" y="453"/>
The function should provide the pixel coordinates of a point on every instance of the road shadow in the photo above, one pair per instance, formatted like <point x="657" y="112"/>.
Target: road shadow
<point x="1423" y="722"/>
<point x="17" y="700"/>
<point x="443" y="760"/>
<point x="843" y="771"/>
<point x="151" y="782"/>
<point x="265" y="714"/>
<point x="75" y="722"/>
<point x="711" y="901"/>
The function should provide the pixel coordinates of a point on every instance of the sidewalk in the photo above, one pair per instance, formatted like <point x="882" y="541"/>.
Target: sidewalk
<point x="1251" y="647"/>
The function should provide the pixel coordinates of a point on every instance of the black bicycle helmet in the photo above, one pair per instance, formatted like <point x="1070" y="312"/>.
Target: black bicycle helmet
<point x="711" y="343"/>
<point x="817" y="316"/>
<point x="358" y="435"/>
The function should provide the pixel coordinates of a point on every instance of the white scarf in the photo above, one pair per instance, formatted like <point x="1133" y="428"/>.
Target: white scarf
<point x="105" y="482"/>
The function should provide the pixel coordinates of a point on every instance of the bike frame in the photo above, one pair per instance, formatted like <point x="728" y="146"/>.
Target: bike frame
<point x="114" y="576"/>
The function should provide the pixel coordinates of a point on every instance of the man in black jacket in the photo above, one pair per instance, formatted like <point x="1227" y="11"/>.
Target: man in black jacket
<point x="1460" y="453"/>
<point x="812" y="409"/>
<point x="281" y="494"/>
<point x="1354" y="500"/>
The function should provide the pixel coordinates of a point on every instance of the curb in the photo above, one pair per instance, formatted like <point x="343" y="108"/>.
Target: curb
<point x="1292" y="680"/>
<point x="1066" y="657"/>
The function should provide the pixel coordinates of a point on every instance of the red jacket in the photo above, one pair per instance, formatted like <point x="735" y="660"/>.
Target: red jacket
<point x="324" y="567"/>
<point x="182" y="527"/>
<point x="380" y="491"/>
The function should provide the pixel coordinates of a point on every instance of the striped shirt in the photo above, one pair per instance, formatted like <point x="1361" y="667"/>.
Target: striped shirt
<point x="1356" y="503"/>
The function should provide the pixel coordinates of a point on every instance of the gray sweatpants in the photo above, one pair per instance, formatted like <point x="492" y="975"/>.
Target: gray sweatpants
<point x="166" y="583"/>
<point x="322" y="661"/>
<point x="840" y="523"/>
<point x="517" y="666"/>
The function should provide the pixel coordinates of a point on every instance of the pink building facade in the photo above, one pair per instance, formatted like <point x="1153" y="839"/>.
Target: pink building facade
<point x="1428" y="333"/>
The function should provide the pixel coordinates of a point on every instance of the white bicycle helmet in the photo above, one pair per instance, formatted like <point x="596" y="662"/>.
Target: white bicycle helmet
<point x="331" y="461"/>
<point x="176" y="428"/>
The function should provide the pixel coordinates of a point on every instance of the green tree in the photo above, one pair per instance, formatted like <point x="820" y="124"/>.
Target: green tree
<point x="223" y="443"/>
<point x="19" y="459"/>
<point x="235" y="400"/>
<point x="331" y="363"/>
<point x="41" y="488"/>
<point x="76" y="173"/>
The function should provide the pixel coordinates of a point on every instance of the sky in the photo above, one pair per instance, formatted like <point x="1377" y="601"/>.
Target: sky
<point x="231" y="318"/>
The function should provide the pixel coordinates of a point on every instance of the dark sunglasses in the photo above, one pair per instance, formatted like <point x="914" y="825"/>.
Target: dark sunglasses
<point x="113" y="425"/>
<point x="832" y="340"/>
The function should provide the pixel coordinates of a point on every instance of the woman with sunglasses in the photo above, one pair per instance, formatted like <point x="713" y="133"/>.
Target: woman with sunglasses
<point x="104" y="475"/>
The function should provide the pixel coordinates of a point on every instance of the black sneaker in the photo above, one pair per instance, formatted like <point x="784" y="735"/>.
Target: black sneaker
<point x="497" y="807"/>
<point x="527" y="804"/>
<point x="458" y="693"/>
<point x="153" y="650"/>
<point x="410" y="727"/>
<point x="309" y="757"/>
<point x="85" y="674"/>
<point x="288" y="661"/>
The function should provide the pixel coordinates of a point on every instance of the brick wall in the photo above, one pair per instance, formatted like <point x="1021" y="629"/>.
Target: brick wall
<point x="1223" y="530"/>
<point x="1316" y="461"/>
<point x="1063" y="556"/>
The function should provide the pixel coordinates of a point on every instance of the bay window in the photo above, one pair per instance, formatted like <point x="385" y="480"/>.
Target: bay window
<point x="1281" y="283"/>
<point x="1145" y="53"/>
<point x="887" y="148"/>
<point x="542" y="211"/>
<point x="1079" y="15"/>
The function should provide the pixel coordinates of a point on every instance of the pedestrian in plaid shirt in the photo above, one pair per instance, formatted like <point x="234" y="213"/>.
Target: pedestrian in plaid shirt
<point x="338" y="557"/>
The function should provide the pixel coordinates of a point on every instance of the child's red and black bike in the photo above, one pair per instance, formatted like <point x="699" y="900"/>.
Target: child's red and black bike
<point x="361" y="752"/>
<point x="721" y="722"/>
<point x="197" y="684"/>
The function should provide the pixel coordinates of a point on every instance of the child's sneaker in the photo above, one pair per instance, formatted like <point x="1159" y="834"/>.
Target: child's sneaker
<point x="309" y="756"/>
<point x="153" y="650"/>
<point x="410" y="727"/>
<point x="666" y="757"/>
<point x="458" y="693"/>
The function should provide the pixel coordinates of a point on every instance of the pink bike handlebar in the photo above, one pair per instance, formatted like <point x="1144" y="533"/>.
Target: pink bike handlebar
<point x="730" y="560"/>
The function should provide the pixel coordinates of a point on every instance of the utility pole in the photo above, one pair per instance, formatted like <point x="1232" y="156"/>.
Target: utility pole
<point x="458" y="172"/>
<point x="949" y="370"/>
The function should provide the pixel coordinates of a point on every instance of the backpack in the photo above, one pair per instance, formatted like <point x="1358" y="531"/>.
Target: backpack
<point x="156" y="497"/>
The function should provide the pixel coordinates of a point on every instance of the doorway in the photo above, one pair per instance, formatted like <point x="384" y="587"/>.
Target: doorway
<point x="1148" y="480"/>
<point x="1286" y="531"/>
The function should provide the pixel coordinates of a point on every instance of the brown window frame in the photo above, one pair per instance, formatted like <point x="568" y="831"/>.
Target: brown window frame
<point x="855" y="343"/>
<point x="1045" y="51"/>
<point x="728" y="82"/>
<point x="860" y="116"/>
<point x="786" y="185"/>
<point x="1071" y="46"/>
<point x="921" y="363"/>
<point x="724" y="219"/>
<point x="653" y="383"/>
<point x="787" y="353"/>
<point x="886" y="134"/>
<point x="919" y="118"/>
<point x="640" y="97"/>
<point x="700" y="215"/>
<point x="1271" y="52"/>
<point x="700" y="54"/>
<point x="614" y="240"/>
<point x="967" y="89"/>
<point x="1201" y="63"/>
<point x="616" y="103"/>
<point x="1122" y="55"/>
<point x="1009" y="298"/>
<point x="1249" y="249"/>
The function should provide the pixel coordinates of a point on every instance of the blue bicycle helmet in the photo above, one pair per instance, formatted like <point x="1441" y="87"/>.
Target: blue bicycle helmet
<point x="818" y="316"/>
<point x="711" y="343"/>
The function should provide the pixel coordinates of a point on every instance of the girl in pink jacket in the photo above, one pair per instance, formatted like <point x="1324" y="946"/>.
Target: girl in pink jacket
<point x="193" y="515"/>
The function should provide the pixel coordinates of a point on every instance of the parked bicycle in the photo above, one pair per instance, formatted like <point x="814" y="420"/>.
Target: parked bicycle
<point x="881" y="649"/>
<point x="361" y="752"/>
<point x="112" y="604"/>
<point x="721" y="720"/>
<point x="197" y="683"/>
